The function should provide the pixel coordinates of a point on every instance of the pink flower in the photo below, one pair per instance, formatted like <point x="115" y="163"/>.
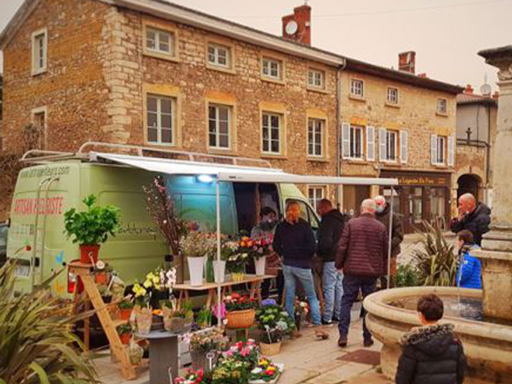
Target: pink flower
<point x="229" y="353"/>
<point x="245" y="352"/>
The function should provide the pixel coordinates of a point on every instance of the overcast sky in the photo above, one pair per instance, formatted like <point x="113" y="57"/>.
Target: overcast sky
<point x="446" y="34"/>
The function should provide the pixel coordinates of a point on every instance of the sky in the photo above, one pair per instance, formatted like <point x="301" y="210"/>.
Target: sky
<point x="446" y="34"/>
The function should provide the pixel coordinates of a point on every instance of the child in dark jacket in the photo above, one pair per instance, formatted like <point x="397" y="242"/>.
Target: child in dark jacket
<point x="470" y="268"/>
<point x="431" y="354"/>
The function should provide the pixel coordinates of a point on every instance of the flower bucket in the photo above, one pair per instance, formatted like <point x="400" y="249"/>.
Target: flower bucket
<point x="88" y="253"/>
<point x="238" y="276"/>
<point x="219" y="268"/>
<point x="196" y="269"/>
<point x="259" y="265"/>
<point x="240" y="319"/>
<point x="144" y="319"/>
<point x="270" y="349"/>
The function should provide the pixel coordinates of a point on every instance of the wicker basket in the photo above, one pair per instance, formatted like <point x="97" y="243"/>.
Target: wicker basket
<point x="240" y="319"/>
<point x="270" y="349"/>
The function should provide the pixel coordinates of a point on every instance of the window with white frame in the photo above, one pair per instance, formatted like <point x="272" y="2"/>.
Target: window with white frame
<point x="160" y="41"/>
<point x="442" y="106"/>
<point x="271" y="132"/>
<point x="219" y="126"/>
<point x="161" y="111"/>
<point x="39" y="120"/>
<point x="39" y="51"/>
<point x="316" y="78"/>
<point x="219" y="55"/>
<point x="316" y="133"/>
<point x="356" y="142"/>
<point x="391" y="145"/>
<point x="392" y="95"/>
<point x="357" y="88"/>
<point x="315" y="194"/>
<point x="272" y="68"/>
<point x="438" y="149"/>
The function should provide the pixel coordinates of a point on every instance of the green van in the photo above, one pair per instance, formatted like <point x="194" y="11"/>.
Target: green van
<point x="43" y="193"/>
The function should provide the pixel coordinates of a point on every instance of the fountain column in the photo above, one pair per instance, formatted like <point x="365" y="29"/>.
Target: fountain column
<point x="496" y="253"/>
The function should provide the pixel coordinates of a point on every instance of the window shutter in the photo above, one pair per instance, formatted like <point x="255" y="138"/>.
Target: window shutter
<point x="451" y="151"/>
<point x="370" y="143"/>
<point x="433" y="149"/>
<point x="403" y="146"/>
<point x="345" y="140"/>
<point x="383" y="153"/>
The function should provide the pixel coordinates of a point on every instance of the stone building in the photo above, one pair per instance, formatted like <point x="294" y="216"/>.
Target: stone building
<point x="148" y="72"/>
<point x="476" y="135"/>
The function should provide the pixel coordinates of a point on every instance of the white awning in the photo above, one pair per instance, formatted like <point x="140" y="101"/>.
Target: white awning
<point x="232" y="172"/>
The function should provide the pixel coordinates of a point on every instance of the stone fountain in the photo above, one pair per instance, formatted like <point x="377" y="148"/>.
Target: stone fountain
<point x="487" y="341"/>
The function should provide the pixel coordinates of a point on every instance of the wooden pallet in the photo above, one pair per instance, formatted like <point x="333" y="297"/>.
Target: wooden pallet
<point x="109" y="325"/>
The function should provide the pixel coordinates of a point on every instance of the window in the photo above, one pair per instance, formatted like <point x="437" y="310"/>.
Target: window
<point x="271" y="133"/>
<point x="441" y="106"/>
<point x="438" y="149"/>
<point x="307" y="214"/>
<point x="160" y="119"/>
<point x="160" y="41"/>
<point x="271" y="69"/>
<point x="315" y="137"/>
<point x="356" y="142"/>
<point x="357" y="88"/>
<point x="316" y="79"/>
<point x="39" y="121"/>
<point x="219" y="126"/>
<point x="391" y="145"/>
<point x="315" y="194"/>
<point x="39" y="51"/>
<point x="219" y="55"/>
<point x="393" y="95"/>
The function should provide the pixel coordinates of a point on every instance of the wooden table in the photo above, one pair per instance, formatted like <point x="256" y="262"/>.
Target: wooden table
<point x="253" y="280"/>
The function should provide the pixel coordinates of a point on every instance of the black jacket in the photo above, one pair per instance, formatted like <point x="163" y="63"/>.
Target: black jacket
<point x="397" y="234"/>
<point x="295" y="243"/>
<point x="431" y="355"/>
<point x="329" y="234"/>
<point x="477" y="222"/>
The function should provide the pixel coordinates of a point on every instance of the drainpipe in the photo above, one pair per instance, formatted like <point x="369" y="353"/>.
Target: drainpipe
<point x="339" y="194"/>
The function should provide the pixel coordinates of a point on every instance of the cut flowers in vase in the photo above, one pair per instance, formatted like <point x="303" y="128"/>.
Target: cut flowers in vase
<point x="258" y="247"/>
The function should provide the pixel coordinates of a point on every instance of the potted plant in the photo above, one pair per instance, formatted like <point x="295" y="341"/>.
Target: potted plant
<point x="125" y="333"/>
<point x="265" y="372"/>
<point x="194" y="377"/>
<point x="168" y="309"/>
<point x="196" y="246"/>
<point x="204" y="318"/>
<point x="205" y="347"/>
<point x="231" y="371"/>
<point x="125" y="309"/>
<point x="143" y="313"/>
<point x="240" y="311"/>
<point x="236" y="265"/>
<point x="181" y="320"/>
<point x="91" y="228"/>
<point x="301" y="312"/>
<point x="275" y="323"/>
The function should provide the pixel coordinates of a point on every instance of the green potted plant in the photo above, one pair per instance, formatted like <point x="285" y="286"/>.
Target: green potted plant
<point x="204" y="318"/>
<point x="125" y="333"/>
<point x="125" y="309"/>
<point x="203" y="343"/>
<point x="275" y="323"/>
<point x="91" y="228"/>
<point x="240" y="311"/>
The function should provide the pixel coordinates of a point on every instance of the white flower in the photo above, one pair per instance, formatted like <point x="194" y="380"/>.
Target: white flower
<point x="257" y="370"/>
<point x="303" y="304"/>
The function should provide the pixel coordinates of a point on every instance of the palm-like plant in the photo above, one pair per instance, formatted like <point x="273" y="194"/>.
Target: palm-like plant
<point x="36" y="340"/>
<point x="436" y="261"/>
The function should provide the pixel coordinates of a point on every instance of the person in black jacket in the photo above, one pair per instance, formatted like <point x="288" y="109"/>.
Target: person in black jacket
<point x="431" y="354"/>
<point x="473" y="216"/>
<point x="329" y="234"/>
<point x="295" y="242"/>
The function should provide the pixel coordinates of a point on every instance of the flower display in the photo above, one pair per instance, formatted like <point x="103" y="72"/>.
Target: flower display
<point x="231" y="371"/>
<point x="275" y="322"/>
<point x="246" y="352"/>
<point x="265" y="371"/>
<point x="236" y="302"/>
<point x="193" y="377"/>
<point x="256" y="248"/>
<point x="205" y="342"/>
<point x="198" y="244"/>
<point x="237" y="261"/>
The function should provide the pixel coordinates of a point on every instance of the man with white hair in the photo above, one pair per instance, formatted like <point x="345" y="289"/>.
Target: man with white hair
<point x="362" y="256"/>
<point x="397" y="231"/>
<point x="473" y="216"/>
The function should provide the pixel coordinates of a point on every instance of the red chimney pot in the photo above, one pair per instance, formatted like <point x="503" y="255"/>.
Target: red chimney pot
<point x="302" y="16"/>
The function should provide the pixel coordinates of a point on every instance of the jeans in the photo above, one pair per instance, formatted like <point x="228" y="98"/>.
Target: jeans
<point x="332" y="282"/>
<point x="305" y="277"/>
<point x="351" y="287"/>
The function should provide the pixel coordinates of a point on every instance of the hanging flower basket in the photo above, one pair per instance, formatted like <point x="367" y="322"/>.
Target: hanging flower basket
<point x="240" y="319"/>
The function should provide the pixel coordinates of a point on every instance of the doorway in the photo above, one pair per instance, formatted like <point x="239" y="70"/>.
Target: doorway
<point x="469" y="183"/>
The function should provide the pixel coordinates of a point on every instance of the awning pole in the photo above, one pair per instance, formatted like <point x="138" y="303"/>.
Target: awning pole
<point x="219" y="298"/>
<point x="390" y="238"/>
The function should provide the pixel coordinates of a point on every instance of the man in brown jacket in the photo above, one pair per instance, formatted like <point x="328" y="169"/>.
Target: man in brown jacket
<point x="362" y="256"/>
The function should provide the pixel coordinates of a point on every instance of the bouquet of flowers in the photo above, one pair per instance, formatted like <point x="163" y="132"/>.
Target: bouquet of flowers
<point x="256" y="248"/>
<point x="205" y="342"/>
<point x="246" y="352"/>
<point x="237" y="261"/>
<point x="198" y="244"/>
<point x="194" y="377"/>
<point x="236" y="302"/>
<point x="264" y="371"/>
<point x="276" y="323"/>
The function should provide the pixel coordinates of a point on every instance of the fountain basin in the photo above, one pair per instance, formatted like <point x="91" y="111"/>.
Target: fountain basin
<point x="488" y="346"/>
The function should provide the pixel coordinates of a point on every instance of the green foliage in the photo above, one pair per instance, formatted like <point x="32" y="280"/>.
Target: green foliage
<point x="436" y="260"/>
<point x="125" y="304"/>
<point x="275" y="322"/>
<point x="204" y="317"/>
<point x="407" y="276"/>
<point x="37" y="344"/>
<point x="124" y="328"/>
<point x="92" y="226"/>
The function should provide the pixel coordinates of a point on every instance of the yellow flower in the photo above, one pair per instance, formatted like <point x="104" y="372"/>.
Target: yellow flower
<point x="148" y="284"/>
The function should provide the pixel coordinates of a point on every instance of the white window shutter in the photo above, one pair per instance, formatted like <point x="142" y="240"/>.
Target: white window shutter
<point x="404" y="145"/>
<point x="451" y="151"/>
<point x="383" y="153"/>
<point x="370" y="143"/>
<point x="433" y="149"/>
<point x="345" y="140"/>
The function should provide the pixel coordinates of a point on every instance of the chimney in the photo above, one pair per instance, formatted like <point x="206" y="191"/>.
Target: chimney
<point x="422" y="75"/>
<point x="469" y="89"/>
<point x="297" y="27"/>
<point x="407" y="61"/>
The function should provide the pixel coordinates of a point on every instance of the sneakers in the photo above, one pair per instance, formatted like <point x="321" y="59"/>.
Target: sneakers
<point x="321" y="334"/>
<point x="342" y="341"/>
<point x="368" y="343"/>
<point x="327" y="323"/>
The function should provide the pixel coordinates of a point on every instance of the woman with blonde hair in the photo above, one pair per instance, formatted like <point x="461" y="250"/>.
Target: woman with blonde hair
<point x="295" y="243"/>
